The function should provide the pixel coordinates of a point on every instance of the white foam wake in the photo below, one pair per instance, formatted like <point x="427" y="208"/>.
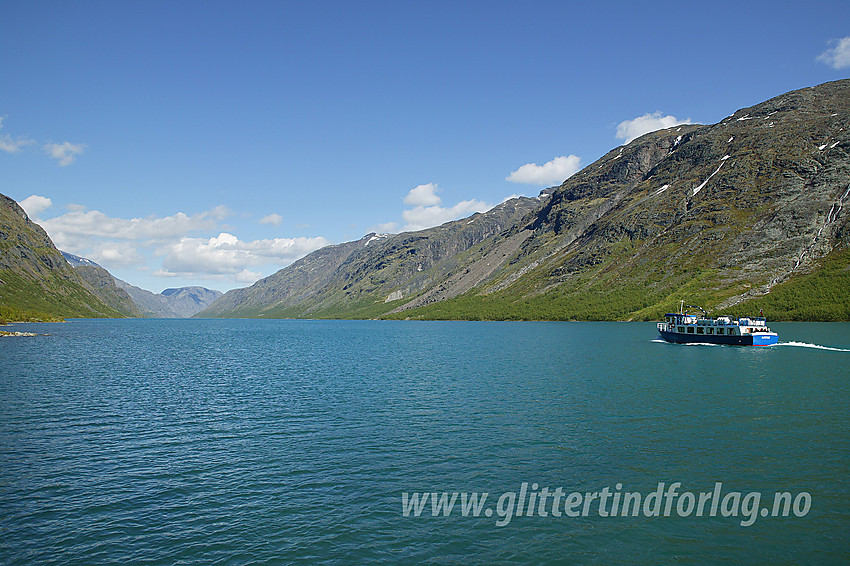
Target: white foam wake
<point x="792" y="343"/>
<point x="807" y="345"/>
<point x="662" y="341"/>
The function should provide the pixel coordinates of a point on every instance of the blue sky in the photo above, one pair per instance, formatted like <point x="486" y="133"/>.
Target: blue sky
<point x="212" y="143"/>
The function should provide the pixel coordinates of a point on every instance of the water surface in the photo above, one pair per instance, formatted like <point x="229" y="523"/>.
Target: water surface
<point x="244" y="441"/>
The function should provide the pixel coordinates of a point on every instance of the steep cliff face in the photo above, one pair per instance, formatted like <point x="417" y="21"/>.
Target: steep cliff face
<point x="731" y="215"/>
<point x="37" y="282"/>
<point x="720" y="213"/>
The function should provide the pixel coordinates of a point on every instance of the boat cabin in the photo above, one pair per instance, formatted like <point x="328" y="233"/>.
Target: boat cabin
<point x="723" y="325"/>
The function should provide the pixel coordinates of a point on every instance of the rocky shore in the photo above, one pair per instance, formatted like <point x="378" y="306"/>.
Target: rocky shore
<point x="7" y="333"/>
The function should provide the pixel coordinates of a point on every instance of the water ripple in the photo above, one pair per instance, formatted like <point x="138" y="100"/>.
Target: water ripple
<point x="255" y="442"/>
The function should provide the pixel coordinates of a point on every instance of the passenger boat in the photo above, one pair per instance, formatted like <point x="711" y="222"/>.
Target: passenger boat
<point x="685" y="328"/>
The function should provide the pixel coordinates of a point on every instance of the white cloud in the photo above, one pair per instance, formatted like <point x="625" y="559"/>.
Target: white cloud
<point x="837" y="56"/>
<point x="10" y="144"/>
<point x="34" y="205"/>
<point x="629" y="130"/>
<point x="423" y="195"/>
<point x="143" y="242"/>
<point x="422" y="217"/>
<point x="511" y="197"/>
<point x="81" y="224"/>
<point x="427" y="211"/>
<point x="225" y="254"/>
<point x="273" y="219"/>
<point x="115" y="254"/>
<point x="247" y="276"/>
<point x="555" y="171"/>
<point x="385" y="228"/>
<point x="66" y="153"/>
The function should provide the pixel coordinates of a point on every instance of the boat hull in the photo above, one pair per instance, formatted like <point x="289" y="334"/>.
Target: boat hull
<point x="757" y="339"/>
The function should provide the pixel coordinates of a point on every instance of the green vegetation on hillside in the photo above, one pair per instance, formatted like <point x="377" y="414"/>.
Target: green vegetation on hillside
<point x="37" y="283"/>
<point x="11" y="314"/>
<point x="593" y="305"/>
<point x="823" y="295"/>
<point x="22" y="299"/>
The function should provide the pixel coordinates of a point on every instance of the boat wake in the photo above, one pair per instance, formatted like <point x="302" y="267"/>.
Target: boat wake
<point x="797" y="344"/>
<point x="815" y="346"/>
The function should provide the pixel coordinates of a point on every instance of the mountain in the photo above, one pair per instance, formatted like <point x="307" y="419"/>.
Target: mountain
<point x="748" y="213"/>
<point x="182" y="302"/>
<point x="171" y="303"/>
<point x="188" y="301"/>
<point x="37" y="283"/>
<point x="77" y="261"/>
<point x="372" y="275"/>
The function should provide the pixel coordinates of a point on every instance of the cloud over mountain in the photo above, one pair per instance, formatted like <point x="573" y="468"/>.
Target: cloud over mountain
<point x="428" y="211"/>
<point x="226" y="255"/>
<point x="837" y="56"/>
<point x="630" y="130"/>
<point x="34" y="205"/>
<point x="552" y="172"/>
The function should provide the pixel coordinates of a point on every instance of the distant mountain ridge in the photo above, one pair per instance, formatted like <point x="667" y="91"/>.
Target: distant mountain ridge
<point x="747" y="213"/>
<point x="182" y="302"/>
<point x="77" y="261"/>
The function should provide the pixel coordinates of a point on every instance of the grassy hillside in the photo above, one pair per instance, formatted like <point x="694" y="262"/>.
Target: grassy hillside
<point x="823" y="295"/>
<point x="36" y="283"/>
<point x="51" y="298"/>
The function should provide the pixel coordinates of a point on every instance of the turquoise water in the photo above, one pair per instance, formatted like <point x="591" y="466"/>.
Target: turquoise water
<point x="262" y="442"/>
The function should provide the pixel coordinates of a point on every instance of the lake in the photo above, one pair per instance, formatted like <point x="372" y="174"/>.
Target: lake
<point x="259" y="442"/>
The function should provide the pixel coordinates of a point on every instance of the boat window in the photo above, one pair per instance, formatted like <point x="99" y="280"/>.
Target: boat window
<point x="709" y="331"/>
<point x="681" y="329"/>
<point x="699" y="330"/>
<point x="730" y="331"/>
<point x="690" y="330"/>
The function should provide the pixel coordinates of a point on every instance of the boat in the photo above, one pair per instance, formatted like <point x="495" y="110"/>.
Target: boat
<point x="688" y="328"/>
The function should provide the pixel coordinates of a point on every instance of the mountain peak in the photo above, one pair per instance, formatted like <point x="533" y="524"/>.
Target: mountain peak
<point x="722" y="213"/>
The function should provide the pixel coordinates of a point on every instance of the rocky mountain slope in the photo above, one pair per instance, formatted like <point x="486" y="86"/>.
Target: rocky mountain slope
<point x="182" y="302"/>
<point x="751" y="212"/>
<point x="36" y="282"/>
<point x="100" y="282"/>
<point x="378" y="272"/>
